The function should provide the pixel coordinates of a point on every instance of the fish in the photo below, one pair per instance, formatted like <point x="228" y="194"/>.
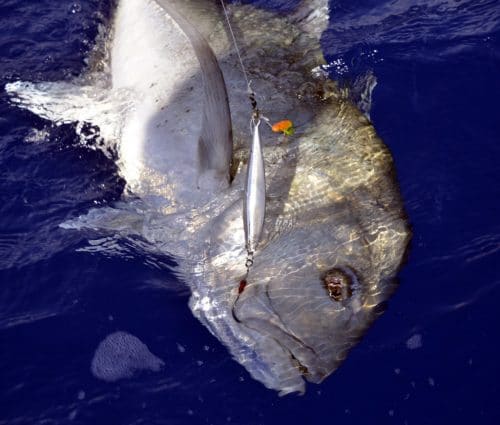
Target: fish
<point x="167" y="93"/>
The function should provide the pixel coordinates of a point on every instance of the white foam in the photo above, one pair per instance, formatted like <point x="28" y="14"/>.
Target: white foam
<point x="65" y="103"/>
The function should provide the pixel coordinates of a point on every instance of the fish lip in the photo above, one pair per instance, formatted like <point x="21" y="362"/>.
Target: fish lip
<point x="304" y="364"/>
<point x="235" y="335"/>
<point x="271" y="377"/>
<point x="261" y="343"/>
<point x="303" y="358"/>
<point x="293" y="359"/>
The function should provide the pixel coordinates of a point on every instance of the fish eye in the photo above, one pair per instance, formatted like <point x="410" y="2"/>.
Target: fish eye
<point x="338" y="284"/>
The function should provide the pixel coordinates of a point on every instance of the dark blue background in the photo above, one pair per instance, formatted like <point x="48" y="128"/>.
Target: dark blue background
<point x="436" y="106"/>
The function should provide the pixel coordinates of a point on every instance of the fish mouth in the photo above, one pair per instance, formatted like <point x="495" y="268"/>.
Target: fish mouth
<point x="288" y="358"/>
<point x="255" y="344"/>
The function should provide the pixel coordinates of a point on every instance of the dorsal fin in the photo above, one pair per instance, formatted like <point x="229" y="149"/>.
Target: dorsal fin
<point x="215" y="144"/>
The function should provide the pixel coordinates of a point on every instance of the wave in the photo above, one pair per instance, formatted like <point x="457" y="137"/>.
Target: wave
<point x="429" y="30"/>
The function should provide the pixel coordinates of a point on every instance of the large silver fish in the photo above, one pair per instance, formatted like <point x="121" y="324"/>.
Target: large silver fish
<point x="334" y="232"/>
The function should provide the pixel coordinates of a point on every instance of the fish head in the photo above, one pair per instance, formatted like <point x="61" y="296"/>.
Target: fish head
<point x="306" y="305"/>
<point x="316" y="283"/>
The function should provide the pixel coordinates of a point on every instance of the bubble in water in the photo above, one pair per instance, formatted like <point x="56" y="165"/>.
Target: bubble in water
<point x="414" y="342"/>
<point x="75" y="8"/>
<point x="338" y="66"/>
<point x="120" y="355"/>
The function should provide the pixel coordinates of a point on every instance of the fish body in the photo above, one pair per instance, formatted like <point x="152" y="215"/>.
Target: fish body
<point x="334" y="231"/>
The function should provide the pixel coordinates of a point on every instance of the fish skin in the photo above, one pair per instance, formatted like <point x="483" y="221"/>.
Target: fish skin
<point x="333" y="202"/>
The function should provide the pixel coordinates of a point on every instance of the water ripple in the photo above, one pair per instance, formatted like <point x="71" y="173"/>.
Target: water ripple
<point x="413" y="28"/>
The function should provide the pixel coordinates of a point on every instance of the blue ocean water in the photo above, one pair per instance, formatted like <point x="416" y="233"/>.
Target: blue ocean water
<point x="432" y="358"/>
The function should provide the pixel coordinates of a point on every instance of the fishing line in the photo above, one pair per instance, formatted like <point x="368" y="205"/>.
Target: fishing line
<point x="255" y="188"/>
<point x="251" y="94"/>
<point x="255" y="185"/>
<point x="235" y="43"/>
